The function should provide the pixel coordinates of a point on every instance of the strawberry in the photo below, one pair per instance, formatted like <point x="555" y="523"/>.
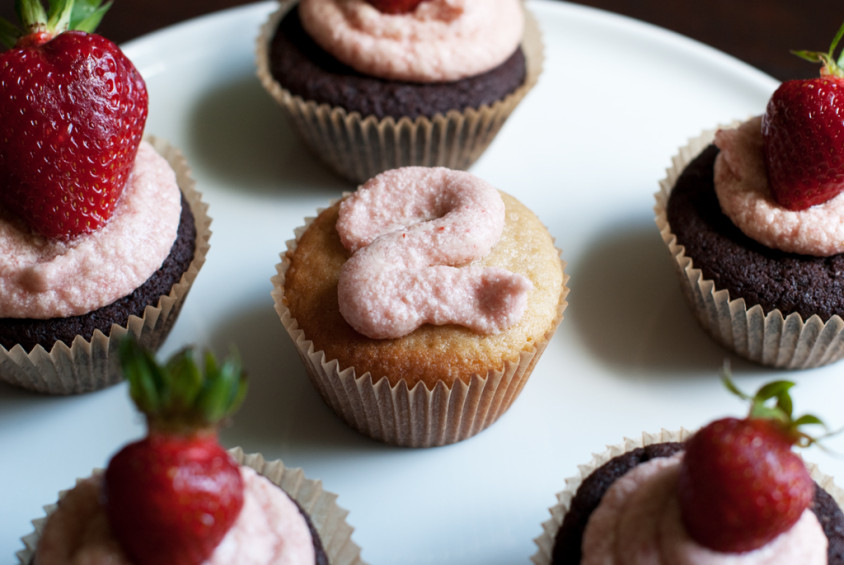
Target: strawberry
<point x="803" y="134"/>
<point x="740" y="483"/>
<point x="74" y="109"/>
<point x="395" y="6"/>
<point x="171" y="497"/>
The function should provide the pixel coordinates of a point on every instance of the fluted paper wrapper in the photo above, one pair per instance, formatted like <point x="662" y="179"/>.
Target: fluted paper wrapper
<point x="545" y="542"/>
<point x="320" y="505"/>
<point x="91" y="364"/>
<point x="401" y="415"/>
<point x="768" y="338"/>
<point x="359" y="147"/>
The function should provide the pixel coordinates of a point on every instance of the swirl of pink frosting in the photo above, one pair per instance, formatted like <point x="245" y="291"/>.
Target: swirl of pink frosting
<point x="413" y="232"/>
<point x="441" y="40"/>
<point x="41" y="278"/>
<point x="638" y="523"/>
<point x="270" y="529"/>
<point x="741" y="184"/>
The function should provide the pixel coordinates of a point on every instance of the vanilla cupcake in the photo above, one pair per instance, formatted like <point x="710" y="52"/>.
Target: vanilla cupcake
<point x="66" y="306"/>
<point x="419" y="331"/>
<point x="369" y="90"/>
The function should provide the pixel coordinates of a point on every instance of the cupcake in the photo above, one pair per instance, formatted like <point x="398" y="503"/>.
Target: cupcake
<point x="176" y="496"/>
<point x="418" y="331"/>
<point x="715" y="496"/>
<point x="102" y="232"/>
<point x="751" y="215"/>
<point x="374" y="85"/>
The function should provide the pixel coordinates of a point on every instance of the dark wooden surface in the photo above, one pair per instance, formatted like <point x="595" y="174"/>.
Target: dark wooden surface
<point x="760" y="32"/>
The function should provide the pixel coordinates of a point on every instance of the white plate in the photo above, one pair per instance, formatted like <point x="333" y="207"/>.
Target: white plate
<point x="585" y="150"/>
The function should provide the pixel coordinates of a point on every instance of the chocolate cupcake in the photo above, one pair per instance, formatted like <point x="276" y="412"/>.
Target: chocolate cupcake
<point x="362" y="119"/>
<point x="330" y="531"/>
<point x="774" y="306"/>
<point x="754" y="224"/>
<point x="176" y="496"/>
<point x="562" y="537"/>
<point x="102" y="233"/>
<point x="75" y="354"/>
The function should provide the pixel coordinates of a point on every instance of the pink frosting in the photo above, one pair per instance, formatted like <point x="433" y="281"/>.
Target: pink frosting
<point x="638" y="523"/>
<point x="41" y="278"/>
<point x="741" y="184"/>
<point x="270" y="530"/>
<point x="412" y="232"/>
<point x="441" y="40"/>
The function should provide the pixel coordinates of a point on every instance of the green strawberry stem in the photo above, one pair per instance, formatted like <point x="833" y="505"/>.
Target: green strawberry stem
<point x="180" y="396"/>
<point x="63" y="15"/>
<point x="781" y="411"/>
<point x="831" y="66"/>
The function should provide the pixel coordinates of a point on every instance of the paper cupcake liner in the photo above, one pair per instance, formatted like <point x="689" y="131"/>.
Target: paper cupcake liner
<point x="401" y="415"/>
<point x="320" y="505"/>
<point x="359" y="147"/>
<point x="545" y="542"/>
<point x="768" y="338"/>
<point x="91" y="364"/>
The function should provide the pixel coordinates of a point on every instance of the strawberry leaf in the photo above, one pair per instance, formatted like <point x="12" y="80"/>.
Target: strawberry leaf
<point x="31" y="13"/>
<point x="145" y="377"/>
<point x="767" y="412"/>
<point x="783" y="408"/>
<point x="87" y="14"/>
<point x="775" y="389"/>
<point x="82" y="15"/>
<point x="808" y="419"/>
<point x="181" y="395"/>
<point x="58" y="18"/>
<point x="223" y="391"/>
<point x="185" y="380"/>
<point x="729" y="384"/>
<point x="834" y="45"/>
<point x="9" y="34"/>
<point x="831" y="66"/>
<point x="781" y="411"/>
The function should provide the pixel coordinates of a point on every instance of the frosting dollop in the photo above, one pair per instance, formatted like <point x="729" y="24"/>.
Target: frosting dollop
<point x="270" y="529"/>
<point x="42" y="278"/>
<point x="413" y="232"/>
<point x="741" y="185"/>
<point x="638" y="522"/>
<point x="441" y="40"/>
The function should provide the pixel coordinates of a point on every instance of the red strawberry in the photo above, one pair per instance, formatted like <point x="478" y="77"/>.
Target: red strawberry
<point x="395" y="6"/>
<point x="74" y="109"/>
<point x="740" y="483"/>
<point x="803" y="132"/>
<point x="171" y="497"/>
